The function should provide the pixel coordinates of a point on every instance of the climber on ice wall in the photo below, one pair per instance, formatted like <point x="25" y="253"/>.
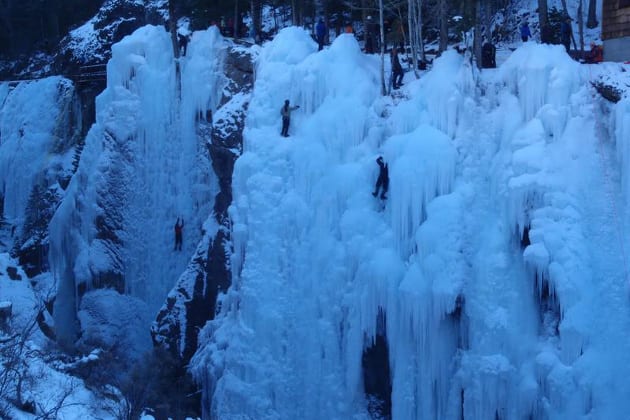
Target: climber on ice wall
<point x="383" y="178"/>
<point x="285" y="111"/>
<point x="179" y="226"/>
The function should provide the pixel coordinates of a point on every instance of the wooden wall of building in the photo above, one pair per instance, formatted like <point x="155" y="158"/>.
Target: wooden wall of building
<point x="615" y="19"/>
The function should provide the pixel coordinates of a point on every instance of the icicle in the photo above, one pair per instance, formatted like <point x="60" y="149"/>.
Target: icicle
<point x="421" y="167"/>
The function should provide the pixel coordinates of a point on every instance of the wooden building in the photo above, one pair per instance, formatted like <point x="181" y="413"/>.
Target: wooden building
<point x="616" y="30"/>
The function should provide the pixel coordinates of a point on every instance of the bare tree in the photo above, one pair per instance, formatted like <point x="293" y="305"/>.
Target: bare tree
<point x="382" y="34"/>
<point x="15" y="376"/>
<point x="413" y="41"/>
<point x="543" y="18"/>
<point x="14" y="355"/>
<point x="477" y="35"/>
<point x="564" y="7"/>
<point x="443" y="22"/>
<point x="591" y="21"/>
<point x="581" y="26"/>
<point x="57" y="403"/>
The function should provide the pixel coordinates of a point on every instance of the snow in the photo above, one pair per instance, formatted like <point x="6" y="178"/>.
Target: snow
<point x="475" y="158"/>
<point x="43" y="384"/>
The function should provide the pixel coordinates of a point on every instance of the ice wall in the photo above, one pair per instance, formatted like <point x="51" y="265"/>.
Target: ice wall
<point x="314" y="256"/>
<point x="33" y="147"/>
<point x="142" y="167"/>
<point x="491" y="259"/>
<point x="622" y="136"/>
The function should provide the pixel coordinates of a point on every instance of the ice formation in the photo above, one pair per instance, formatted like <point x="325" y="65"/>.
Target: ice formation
<point x="33" y="116"/>
<point x="143" y="166"/>
<point x="495" y="263"/>
<point x="496" y="273"/>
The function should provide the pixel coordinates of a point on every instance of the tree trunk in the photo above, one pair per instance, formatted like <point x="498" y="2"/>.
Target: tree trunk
<point x="486" y="14"/>
<point x="253" y="29"/>
<point x="382" y="34"/>
<point x="564" y="7"/>
<point x="581" y="26"/>
<point x="542" y="13"/>
<point x="477" y="35"/>
<point x="591" y="21"/>
<point x="411" y="13"/>
<point x="320" y="10"/>
<point x="172" y="27"/>
<point x="415" y="33"/>
<point x="367" y="25"/>
<point x="420" y="26"/>
<point x="256" y="11"/>
<point x="443" y="19"/>
<point x="5" y="21"/>
<point x="236" y="27"/>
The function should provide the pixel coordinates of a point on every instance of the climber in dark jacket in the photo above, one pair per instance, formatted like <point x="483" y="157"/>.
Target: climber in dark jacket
<point x="285" y="111"/>
<point x="397" y="70"/>
<point x="179" y="226"/>
<point x="383" y="178"/>
<point x="183" y="43"/>
<point x="320" y="32"/>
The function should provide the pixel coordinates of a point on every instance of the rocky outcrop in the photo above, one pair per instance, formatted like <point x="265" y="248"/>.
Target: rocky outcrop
<point x="88" y="43"/>
<point x="92" y="43"/>
<point x="194" y="299"/>
<point x="607" y="91"/>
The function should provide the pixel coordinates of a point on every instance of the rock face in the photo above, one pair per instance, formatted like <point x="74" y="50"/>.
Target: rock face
<point x="91" y="43"/>
<point x="609" y="92"/>
<point x="194" y="299"/>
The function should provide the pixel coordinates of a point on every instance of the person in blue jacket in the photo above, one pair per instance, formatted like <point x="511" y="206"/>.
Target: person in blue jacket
<point x="320" y="33"/>
<point x="525" y="32"/>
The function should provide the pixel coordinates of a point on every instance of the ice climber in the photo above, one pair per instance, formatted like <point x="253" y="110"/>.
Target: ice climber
<point x="285" y="111"/>
<point x="383" y="178"/>
<point x="320" y="32"/>
<point x="179" y="226"/>
<point x="397" y="70"/>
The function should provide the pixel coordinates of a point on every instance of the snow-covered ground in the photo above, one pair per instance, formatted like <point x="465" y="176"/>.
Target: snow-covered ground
<point x="476" y="159"/>
<point x="59" y="395"/>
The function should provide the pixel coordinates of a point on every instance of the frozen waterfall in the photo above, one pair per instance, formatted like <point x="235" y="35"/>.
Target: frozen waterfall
<point x="493" y="273"/>
<point x="143" y="166"/>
